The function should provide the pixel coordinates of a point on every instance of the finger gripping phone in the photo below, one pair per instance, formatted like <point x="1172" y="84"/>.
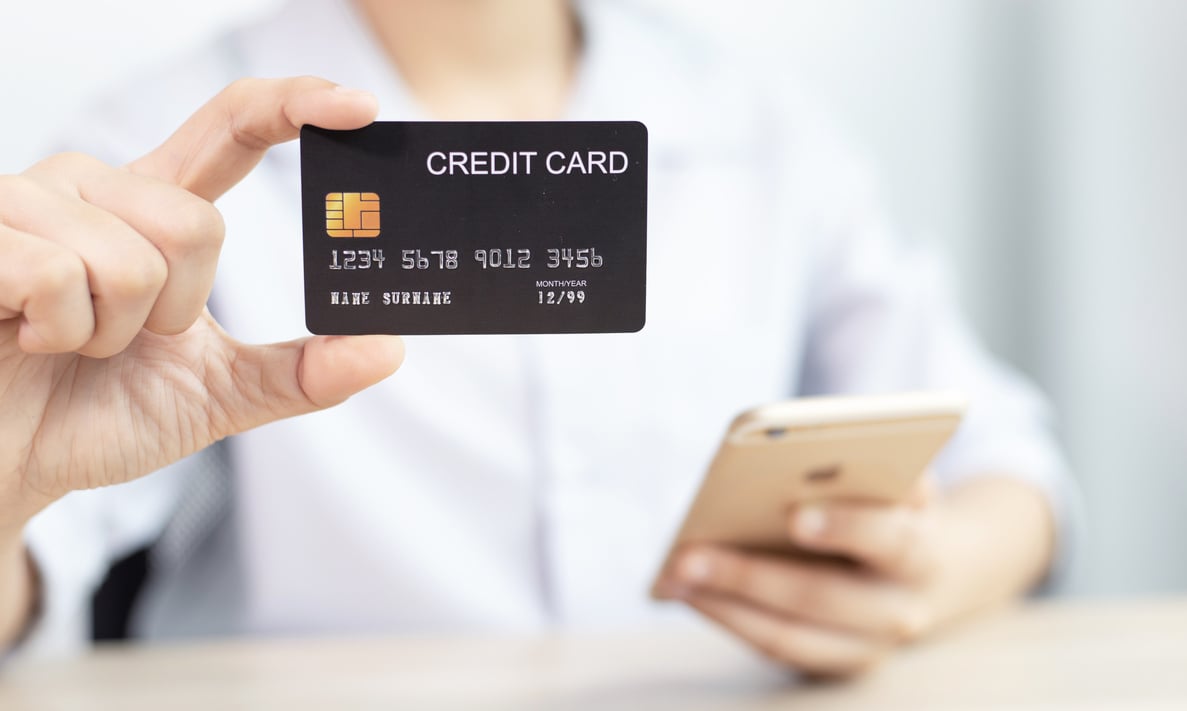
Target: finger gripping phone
<point x="777" y="456"/>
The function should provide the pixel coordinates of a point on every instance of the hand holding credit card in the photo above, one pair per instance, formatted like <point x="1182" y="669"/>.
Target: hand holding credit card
<point x="475" y="227"/>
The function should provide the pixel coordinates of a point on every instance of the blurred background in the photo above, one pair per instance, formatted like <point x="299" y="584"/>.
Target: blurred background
<point x="1040" y="144"/>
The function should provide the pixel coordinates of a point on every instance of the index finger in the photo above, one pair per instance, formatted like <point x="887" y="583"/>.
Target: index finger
<point x="896" y="540"/>
<point x="220" y="144"/>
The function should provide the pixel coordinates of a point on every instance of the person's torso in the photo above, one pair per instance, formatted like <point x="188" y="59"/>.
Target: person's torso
<point x="503" y="481"/>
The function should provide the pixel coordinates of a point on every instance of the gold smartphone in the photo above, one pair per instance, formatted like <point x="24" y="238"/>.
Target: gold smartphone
<point x="776" y="456"/>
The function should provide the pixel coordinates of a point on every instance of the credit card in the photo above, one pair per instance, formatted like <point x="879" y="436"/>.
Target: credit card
<point x="475" y="227"/>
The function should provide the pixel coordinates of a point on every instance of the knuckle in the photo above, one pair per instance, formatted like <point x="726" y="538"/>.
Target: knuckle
<point x="242" y="88"/>
<point x="138" y="276"/>
<point x="909" y="622"/>
<point x="17" y="187"/>
<point x="243" y="92"/>
<point x="51" y="164"/>
<point x="58" y="271"/>
<point x="65" y="167"/>
<point x="238" y="96"/>
<point x="69" y="159"/>
<point x="195" y="226"/>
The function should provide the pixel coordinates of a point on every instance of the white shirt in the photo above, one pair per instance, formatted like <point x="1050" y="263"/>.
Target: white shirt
<point x="515" y="482"/>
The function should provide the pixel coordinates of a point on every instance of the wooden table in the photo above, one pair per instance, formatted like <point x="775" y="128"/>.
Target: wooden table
<point x="1081" y="655"/>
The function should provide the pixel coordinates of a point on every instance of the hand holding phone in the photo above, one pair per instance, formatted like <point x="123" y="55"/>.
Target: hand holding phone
<point x="774" y="457"/>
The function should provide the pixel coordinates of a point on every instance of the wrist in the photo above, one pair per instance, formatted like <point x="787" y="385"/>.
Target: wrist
<point x="996" y="543"/>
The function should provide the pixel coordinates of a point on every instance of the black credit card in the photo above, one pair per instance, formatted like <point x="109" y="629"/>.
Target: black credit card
<point x="475" y="227"/>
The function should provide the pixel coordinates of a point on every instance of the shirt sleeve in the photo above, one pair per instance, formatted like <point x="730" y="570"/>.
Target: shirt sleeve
<point x="75" y="540"/>
<point x="883" y="317"/>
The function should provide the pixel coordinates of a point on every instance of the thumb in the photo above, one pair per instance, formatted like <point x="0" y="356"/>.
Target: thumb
<point x="273" y="382"/>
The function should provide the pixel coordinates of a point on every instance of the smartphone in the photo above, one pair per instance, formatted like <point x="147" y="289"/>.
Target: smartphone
<point x="773" y="457"/>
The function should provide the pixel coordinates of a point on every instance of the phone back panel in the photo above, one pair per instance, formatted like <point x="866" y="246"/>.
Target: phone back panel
<point x="756" y="478"/>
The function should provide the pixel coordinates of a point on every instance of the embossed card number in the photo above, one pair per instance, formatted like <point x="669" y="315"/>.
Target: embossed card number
<point x="465" y="228"/>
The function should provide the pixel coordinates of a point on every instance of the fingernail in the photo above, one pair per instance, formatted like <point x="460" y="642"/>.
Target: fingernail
<point x="696" y="568"/>
<point x="810" y="522"/>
